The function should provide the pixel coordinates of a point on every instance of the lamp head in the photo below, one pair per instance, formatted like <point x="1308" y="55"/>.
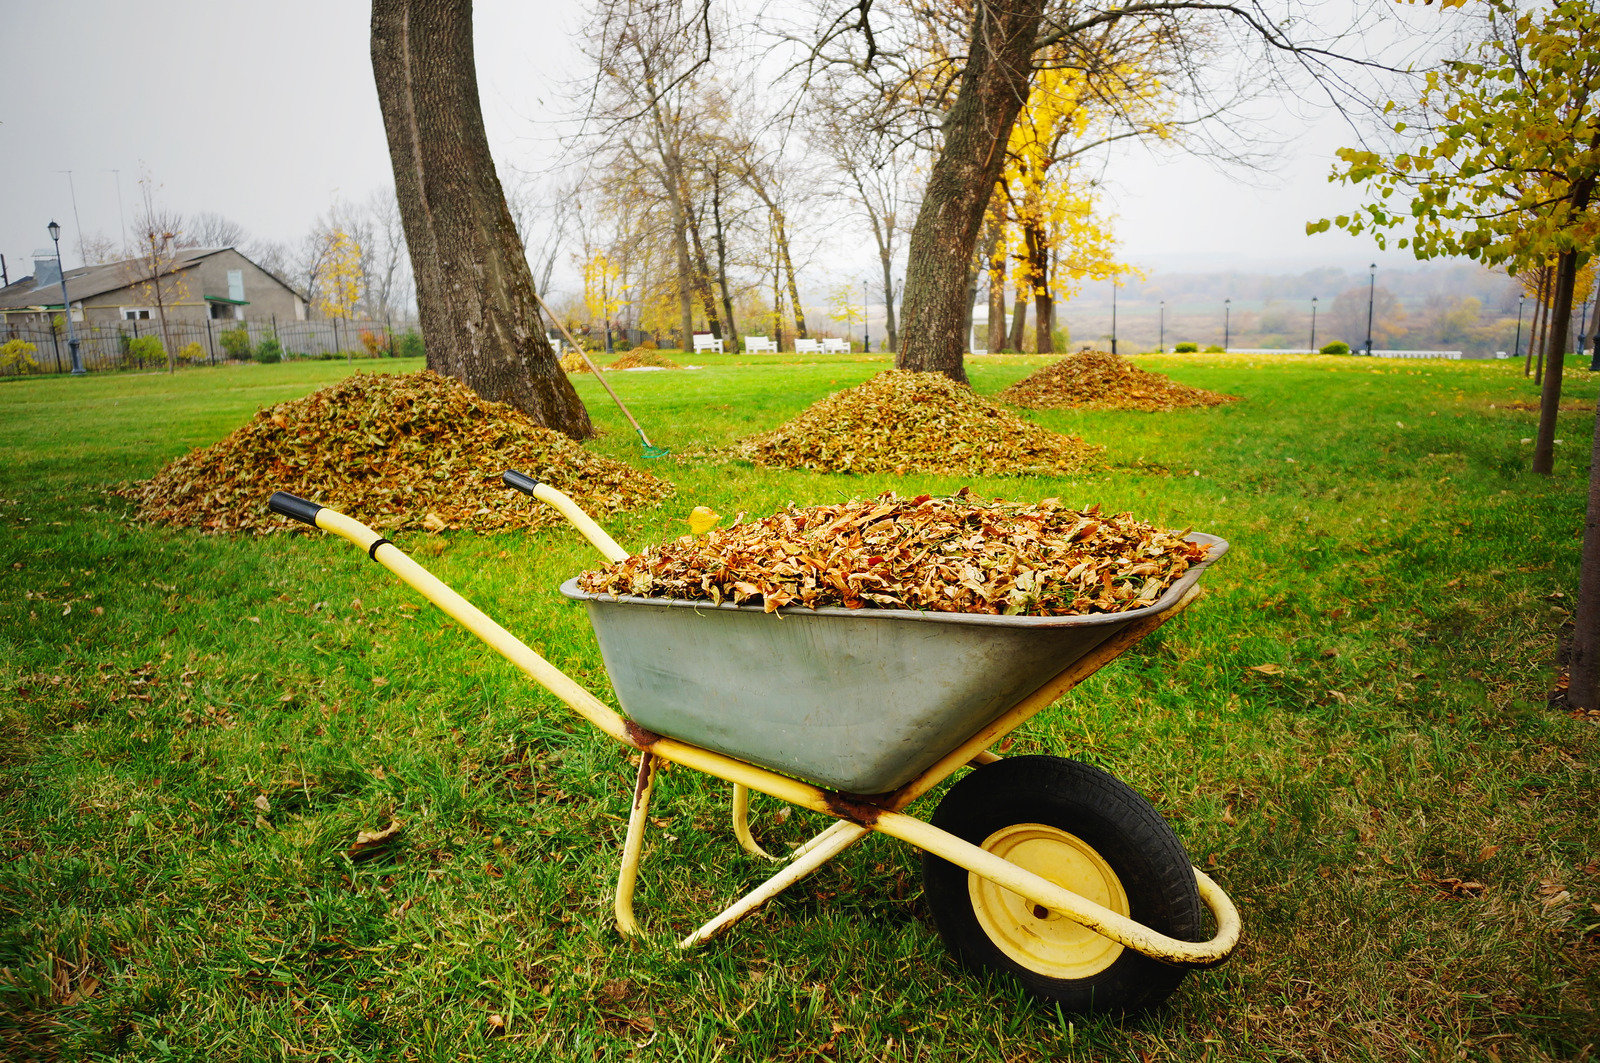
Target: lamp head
<point x="55" y="231"/>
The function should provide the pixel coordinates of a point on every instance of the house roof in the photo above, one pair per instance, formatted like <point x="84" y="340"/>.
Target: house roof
<point x="86" y="282"/>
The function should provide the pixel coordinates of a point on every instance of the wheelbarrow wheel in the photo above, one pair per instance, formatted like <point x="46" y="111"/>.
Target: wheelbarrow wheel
<point x="1082" y="829"/>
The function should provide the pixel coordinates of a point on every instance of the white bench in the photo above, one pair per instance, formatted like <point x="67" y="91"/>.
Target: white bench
<point x="704" y="341"/>
<point x="759" y="345"/>
<point x="835" y="346"/>
<point x="808" y="346"/>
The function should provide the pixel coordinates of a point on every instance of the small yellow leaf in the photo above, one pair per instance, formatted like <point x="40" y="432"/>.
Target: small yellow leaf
<point x="1267" y="669"/>
<point x="702" y="519"/>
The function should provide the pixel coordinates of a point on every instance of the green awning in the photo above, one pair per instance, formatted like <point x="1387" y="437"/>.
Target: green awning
<point x="225" y="299"/>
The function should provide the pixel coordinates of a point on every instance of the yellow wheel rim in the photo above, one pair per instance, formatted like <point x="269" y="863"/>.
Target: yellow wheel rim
<point x="1041" y="940"/>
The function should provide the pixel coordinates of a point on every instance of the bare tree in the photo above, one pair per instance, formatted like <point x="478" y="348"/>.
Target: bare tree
<point x="209" y="229"/>
<point x="153" y="272"/>
<point x="475" y="295"/>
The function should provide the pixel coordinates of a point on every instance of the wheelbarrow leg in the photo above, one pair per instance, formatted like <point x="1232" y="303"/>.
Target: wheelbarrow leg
<point x="741" y="823"/>
<point x="628" y="874"/>
<point x="824" y="847"/>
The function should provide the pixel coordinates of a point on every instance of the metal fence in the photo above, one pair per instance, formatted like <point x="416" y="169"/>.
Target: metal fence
<point x="136" y="345"/>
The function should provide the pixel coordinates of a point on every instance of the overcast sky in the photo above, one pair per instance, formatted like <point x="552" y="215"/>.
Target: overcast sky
<point x="266" y="112"/>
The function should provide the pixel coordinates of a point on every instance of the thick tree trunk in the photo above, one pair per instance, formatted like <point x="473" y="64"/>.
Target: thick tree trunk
<point x="1544" y="442"/>
<point x="788" y="271"/>
<point x="994" y="87"/>
<point x="1039" y="268"/>
<point x="702" y="275"/>
<point x="475" y="296"/>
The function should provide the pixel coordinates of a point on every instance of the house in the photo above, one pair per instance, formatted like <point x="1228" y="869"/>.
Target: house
<point x="197" y="285"/>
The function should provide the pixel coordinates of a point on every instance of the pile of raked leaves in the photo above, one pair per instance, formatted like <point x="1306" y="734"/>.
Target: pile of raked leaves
<point x="903" y="422"/>
<point x="1097" y="380"/>
<point x="644" y="360"/>
<point x="394" y="451"/>
<point x="955" y="554"/>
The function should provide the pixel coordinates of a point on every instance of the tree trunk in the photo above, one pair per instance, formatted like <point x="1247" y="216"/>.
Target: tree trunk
<point x="1019" y="320"/>
<point x="788" y="269"/>
<point x="1533" y="326"/>
<point x="889" y="323"/>
<point x="702" y="275"/>
<point x="475" y="296"/>
<point x="1039" y="268"/>
<point x="1583" y="666"/>
<point x="995" y="267"/>
<point x="994" y="86"/>
<point x="672" y="182"/>
<point x="1555" y="349"/>
<point x="722" y="263"/>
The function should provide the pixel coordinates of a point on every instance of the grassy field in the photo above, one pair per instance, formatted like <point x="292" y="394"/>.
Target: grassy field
<point x="1352" y="732"/>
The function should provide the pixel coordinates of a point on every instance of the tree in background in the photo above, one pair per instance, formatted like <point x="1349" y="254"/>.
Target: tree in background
<point x="1501" y="163"/>
<point x="153" y="274"/>
<point x="343" y="280"/>
<point x="480" y="321"/>
<point x="602" y="295"/>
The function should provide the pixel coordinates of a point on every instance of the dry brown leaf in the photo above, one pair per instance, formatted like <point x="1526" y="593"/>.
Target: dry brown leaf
<point x="367" y="842"/>
<point x="1267" y="669"/>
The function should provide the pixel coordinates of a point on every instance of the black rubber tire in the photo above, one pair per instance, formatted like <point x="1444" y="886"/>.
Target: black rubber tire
<point x="1127" y="833"/>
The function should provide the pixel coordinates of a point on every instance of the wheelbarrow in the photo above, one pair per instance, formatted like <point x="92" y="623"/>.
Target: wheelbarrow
<point x="1047" y="871"/>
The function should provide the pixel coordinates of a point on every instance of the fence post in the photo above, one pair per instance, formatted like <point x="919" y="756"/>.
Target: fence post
<point x="55" y="341"/>
<point x="211" y="343"/>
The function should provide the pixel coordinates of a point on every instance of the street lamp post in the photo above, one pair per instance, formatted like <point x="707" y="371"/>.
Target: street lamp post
<point x="1313" y="325"/>
<point x="1372" y="283"/>
<point x="1161" y="347"/>
<point x="1516" y="344"/>
<point x="66" y="305"/>
<point x="866" y="338"/>
<point x="1227" y="335"/>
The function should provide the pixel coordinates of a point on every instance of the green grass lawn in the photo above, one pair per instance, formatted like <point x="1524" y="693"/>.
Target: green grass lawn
<point x="1351" y="732"/>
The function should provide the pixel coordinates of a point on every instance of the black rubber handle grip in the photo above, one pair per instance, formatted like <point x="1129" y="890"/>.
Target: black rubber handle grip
<point x="287" y="505"/>
<point x="520" y="480"/>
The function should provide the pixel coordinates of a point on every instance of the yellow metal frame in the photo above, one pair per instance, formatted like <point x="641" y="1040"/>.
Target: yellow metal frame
<point x="855" y="816"/>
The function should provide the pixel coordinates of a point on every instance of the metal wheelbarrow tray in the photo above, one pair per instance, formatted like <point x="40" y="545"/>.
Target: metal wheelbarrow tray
<point x="858" y="700"/>
<point x="1044" y="870"/>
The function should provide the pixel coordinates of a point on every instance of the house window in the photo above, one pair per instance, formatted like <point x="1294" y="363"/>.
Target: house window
<point x="135" y="313"/>
<point x="224" y="312"/>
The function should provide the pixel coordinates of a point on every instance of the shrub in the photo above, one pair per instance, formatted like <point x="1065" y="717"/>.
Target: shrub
<point x="192" y="352"/>
<point x="621" y="345"/>
<point x="375" y="343"/>
<point x="1186" y="348"/>
<point x="147" y="349"/>
<point x="269" y="350"/>
<point x="18" y="354"/>
<point x="409" y="345"/>
<point x="1337" y="347"/>
<point x="236" y="341"/>
<point x="1215" y="348"/>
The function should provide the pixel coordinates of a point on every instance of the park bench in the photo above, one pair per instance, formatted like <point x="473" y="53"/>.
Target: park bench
<point x="759" y="345"/>
<point x="835" y="346"/>
<point x="808" y="346"/>
<point x="704" y="341"/>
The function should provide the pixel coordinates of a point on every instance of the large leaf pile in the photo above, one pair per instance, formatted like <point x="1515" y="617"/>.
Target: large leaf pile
<point x="901" y="422"/>
<point x="956" y="555"/>
<point x="1105" y="381"/>
<point x="395" y="451"/>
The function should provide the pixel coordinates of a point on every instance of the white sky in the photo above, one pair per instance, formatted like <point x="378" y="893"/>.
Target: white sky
<point x="266" y="112"/>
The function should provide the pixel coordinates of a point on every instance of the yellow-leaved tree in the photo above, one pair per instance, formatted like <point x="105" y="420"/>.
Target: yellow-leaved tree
<point x="1060" y="235"/>
<point x="603" y="294"/>
<point x="342" y="279"/>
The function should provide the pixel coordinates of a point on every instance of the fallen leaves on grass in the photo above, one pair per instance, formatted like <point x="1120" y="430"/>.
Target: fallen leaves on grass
<point x="901" y="422"/>
<point x="1455" y="887"/>
<point x="644" y="360"/>
<point x="573" y="362"/>
<point x="396" y="451"/>
<point x="953" y="554"/>
<point x="1105" y="381"/>
<point x="370" y="843"/>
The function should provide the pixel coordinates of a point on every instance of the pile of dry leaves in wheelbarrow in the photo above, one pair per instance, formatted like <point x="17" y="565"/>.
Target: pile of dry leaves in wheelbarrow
<point x="406" y="451"/>
<point x="955" y="554"/>
<point x="902" y="422"/>
<point x="1098" y="380"/>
